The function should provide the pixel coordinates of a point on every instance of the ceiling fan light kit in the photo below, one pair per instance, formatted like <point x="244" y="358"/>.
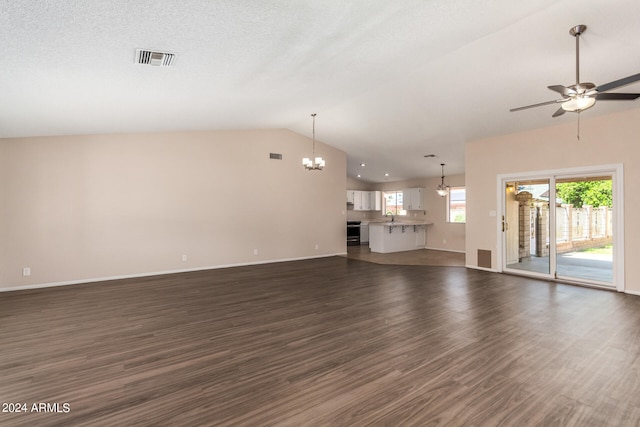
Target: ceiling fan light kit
<point x="582" y="96"/>
<point x="579" y="103"/>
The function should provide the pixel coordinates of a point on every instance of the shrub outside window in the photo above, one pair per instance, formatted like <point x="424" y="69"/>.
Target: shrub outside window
<point x="393" y="203"/>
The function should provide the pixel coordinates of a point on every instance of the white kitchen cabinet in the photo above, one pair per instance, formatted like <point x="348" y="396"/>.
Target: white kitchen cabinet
<point x="350" y="197"/>
<point x="364" y="232"/>
<point x="361" y="201"/>
<point x="355" y="198"/>
<point x="396" y="237"/>
<point x="376" y="200"/>
<point x="364" y="200"/>
<point x="412" y="199"/>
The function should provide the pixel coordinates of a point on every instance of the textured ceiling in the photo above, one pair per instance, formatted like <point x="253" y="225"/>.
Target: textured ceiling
<point x="390" y="81"/>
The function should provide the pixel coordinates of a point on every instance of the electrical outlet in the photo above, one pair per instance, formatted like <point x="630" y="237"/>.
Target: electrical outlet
<point x="255" y="252"/>
<point x="184" y="258"/>
<point x="26" y="271"/>
<point x="317" y="246"/>
<point x="444" y="241"/>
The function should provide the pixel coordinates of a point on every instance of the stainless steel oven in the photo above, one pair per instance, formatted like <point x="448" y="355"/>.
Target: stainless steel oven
<point x="353" y="233"/>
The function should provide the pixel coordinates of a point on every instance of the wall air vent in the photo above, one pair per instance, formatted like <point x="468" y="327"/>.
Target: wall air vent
<point x="156" y="58"/>
<point x="275" y="156"/>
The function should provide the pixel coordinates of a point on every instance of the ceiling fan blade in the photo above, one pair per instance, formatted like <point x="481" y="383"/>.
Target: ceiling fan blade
<point x="555" y="101"/>
<point x="562" y="90"/>
<point x="617" y="96"/>
<point x="560" y="112"/>
<point x="618" y="83"/>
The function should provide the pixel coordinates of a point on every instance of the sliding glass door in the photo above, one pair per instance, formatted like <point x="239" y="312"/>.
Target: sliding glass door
<point x="584" y="229"/>
<point x="562" y="226"/>
<point x="526" y="225"/>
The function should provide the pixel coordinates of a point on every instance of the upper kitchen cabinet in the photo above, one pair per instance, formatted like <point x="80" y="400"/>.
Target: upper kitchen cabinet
<point x="361" y="201"/>
<point x="364" y="200"/>
<point x="375" y="200"/>
<point x="351" y="196"/>
<point x="412" y="199"/>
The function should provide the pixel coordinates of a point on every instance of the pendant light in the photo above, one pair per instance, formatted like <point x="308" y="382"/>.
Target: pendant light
<point x="314" y="163"/>
<point x="442" y="189"/>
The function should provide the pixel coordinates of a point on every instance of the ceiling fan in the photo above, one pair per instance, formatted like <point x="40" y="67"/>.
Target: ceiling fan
<point x="581" y="96"/>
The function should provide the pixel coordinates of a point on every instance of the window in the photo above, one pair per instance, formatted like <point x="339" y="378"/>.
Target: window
<point x="456" y="206"/>
<point x="393" y="203"/>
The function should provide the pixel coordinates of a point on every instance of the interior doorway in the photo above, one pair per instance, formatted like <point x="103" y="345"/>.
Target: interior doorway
<point x="564" y="225"/>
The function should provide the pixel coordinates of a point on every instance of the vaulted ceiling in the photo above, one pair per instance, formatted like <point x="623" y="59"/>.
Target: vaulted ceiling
<point x="390" y="81"/>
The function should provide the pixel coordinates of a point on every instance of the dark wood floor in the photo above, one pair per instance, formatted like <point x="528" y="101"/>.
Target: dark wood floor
<point x="415" y="257"/>
<point x="331" y="341"/>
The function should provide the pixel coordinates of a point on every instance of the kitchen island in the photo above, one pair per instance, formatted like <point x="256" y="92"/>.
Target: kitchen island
<point x="386" y="237"/>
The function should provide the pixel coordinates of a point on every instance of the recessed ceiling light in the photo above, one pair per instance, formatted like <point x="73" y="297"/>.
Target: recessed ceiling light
<point x="363" y="164"/>
<point x="386" y="174"/>
<point x="359" y="176"/>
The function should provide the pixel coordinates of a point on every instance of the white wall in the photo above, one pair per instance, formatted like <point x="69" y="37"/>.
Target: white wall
<point x="78" y="208"/>
<point x="608" y="139"/>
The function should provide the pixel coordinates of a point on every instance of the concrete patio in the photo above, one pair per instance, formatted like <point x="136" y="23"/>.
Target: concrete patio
<point x="575" y="265"/>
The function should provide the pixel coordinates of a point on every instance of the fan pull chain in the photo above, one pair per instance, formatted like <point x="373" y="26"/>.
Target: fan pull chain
<point x="578" y="125"/>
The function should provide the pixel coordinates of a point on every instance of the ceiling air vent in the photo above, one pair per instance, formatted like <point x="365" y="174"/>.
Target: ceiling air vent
<point x="158" y="59"/>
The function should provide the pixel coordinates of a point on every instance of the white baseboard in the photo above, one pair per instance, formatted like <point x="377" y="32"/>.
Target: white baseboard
<point x="475" y="267"/>
<point x="446" y="250"/>
<point x="637" y="293"/>
<point x="158" y="273"/>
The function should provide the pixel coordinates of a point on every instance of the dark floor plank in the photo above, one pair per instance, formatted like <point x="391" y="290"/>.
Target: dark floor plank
<point x="332" y="341"/>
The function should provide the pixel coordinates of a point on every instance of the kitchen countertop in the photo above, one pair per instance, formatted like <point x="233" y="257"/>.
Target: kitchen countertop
<point x="398" y="223"/>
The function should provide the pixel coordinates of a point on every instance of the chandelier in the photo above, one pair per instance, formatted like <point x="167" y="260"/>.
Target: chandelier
<point x="442" y="189"/>
<point x="313" y="163"/>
